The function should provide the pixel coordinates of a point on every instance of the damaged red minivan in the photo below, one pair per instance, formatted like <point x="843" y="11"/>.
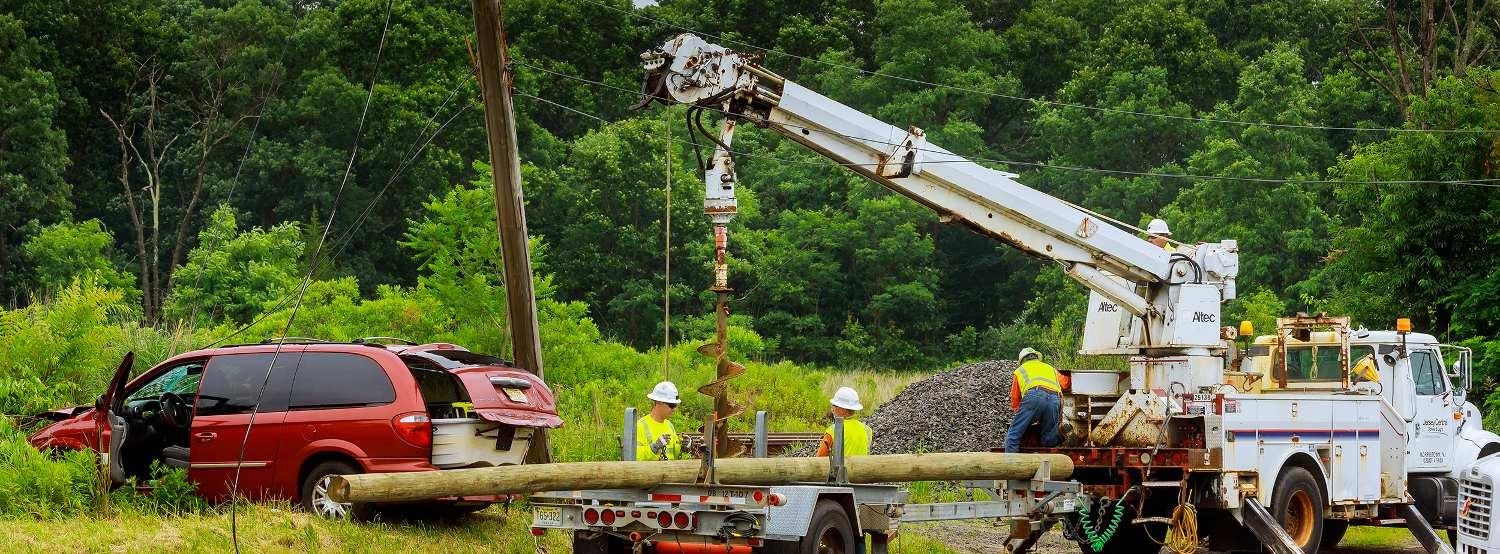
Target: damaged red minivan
<point x="368" y="406"/>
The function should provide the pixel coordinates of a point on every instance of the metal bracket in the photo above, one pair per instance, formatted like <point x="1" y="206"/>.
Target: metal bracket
<point x="706" y="472"/>
<point x="627" y="439"/>
<point x="837" y="473"/>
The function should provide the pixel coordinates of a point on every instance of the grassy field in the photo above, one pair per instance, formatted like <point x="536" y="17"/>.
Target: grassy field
<point x="279" y="529"/>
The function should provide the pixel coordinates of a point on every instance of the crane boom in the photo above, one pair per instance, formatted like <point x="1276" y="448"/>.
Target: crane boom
<point x="1156" y="304"/>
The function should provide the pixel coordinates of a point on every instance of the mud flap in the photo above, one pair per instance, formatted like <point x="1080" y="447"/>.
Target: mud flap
<point x="1267" y="529"/>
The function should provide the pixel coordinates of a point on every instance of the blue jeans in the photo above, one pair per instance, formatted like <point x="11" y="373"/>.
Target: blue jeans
<point x="1038" y="406"/>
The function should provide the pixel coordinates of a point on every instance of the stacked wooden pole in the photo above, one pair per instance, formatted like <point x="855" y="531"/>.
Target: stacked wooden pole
<point x="427" y="485"/>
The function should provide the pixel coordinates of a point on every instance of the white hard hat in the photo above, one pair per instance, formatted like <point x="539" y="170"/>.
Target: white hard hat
<point x="665" y="391"/>
<point x="847" y="399"/>
<point x="1028" y="352"/>
<point x="1158" y="227"/>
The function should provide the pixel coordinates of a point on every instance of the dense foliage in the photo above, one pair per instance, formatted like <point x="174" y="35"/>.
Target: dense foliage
<point x="180" y="158"/>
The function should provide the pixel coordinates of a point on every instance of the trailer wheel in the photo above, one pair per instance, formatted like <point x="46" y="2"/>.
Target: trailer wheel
<point x="1333" y="532"/>
<point x="829" y="532"/>
<point x="1297" y="503"/>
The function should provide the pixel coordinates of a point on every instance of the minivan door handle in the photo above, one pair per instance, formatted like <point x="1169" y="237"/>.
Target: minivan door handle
<point x="205" y="436"/>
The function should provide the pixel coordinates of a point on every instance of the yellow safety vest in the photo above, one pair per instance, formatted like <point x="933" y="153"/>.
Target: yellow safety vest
<point x="1035" y="373"/>
<point x="648" y="431"/>
<point x="856" y="437"/>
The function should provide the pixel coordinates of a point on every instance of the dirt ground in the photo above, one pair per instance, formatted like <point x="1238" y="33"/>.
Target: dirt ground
<point x="976" y="537"/>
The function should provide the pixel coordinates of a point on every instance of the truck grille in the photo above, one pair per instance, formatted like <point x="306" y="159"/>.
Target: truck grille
<point x="1474" y="504"/>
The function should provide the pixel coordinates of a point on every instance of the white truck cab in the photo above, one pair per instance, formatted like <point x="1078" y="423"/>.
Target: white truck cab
<point x="1443" y="431"/>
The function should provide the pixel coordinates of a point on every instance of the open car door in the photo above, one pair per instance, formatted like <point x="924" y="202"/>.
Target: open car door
<point x="110" y="421"/>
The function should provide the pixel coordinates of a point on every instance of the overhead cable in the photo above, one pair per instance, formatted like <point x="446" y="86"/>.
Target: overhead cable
<point x="1057" y="103"/>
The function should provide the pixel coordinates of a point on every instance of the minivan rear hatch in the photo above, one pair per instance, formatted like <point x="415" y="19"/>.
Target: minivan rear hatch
<point x="498" y="392"/>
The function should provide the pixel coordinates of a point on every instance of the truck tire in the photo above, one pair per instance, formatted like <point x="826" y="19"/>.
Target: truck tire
<point x="314" y="493"/>
<point x="829" y="531"/>
<point x="1297" y="503"/>
<point x="595" y="542"/>
<point x="1333" y="532"/>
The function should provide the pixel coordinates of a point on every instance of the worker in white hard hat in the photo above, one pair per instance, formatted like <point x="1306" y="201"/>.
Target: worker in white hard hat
<point x="857" y="435"/>
<point x="1036" y="397"/>
<point x="1157" y="233"/>
<point x="655" y="436"/>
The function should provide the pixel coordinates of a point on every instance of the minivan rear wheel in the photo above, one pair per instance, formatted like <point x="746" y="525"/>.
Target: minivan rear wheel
<point x="315" y="497"/>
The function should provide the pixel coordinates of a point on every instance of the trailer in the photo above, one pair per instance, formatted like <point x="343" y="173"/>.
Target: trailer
<point x="829" y="516"/>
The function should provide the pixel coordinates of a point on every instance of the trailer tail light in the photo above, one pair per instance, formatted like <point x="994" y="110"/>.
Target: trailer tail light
<point x="538" y="531"/>
<point x="681" y="520"/>
<point x="415" y="428"/>
<point x="591" y="516"/>
<point x="777" y="499"/>
<point x="664" y="519"/>
<point x="758" y="497"/>
<point x="608" y="517"/>
<point x="635" y="536"/>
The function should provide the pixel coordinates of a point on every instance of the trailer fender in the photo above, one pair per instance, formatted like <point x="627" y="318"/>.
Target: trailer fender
<point x="1295" y="459"/>
<point x="790" y="521"/>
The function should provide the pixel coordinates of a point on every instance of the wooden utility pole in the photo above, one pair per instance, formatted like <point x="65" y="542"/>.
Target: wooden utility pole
<point x="887" y="468"/>
<point x="510" y="210"/>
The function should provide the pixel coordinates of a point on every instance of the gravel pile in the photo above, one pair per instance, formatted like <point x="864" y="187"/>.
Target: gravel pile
<point x="965" y="409"/>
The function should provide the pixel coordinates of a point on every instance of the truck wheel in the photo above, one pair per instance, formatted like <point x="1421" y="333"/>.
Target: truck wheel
<point x="1297" y="503"/>
<point x="829" y="532"/>
<point x="315" y="498"/>
<point x="594" y="542"/>
<point x="1333" y="532"/>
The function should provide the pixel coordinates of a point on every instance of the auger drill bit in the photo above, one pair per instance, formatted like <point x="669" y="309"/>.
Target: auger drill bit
<point x="720" y="205"/>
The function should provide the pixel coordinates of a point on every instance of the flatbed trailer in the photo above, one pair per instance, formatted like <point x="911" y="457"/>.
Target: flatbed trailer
<point x="831" y="516"/>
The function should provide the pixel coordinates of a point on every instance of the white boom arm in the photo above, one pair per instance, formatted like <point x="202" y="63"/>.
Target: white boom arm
<point x="1175" y="295"/>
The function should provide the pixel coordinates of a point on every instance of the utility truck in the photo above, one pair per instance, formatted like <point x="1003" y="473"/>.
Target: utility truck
<point x="1279" y="443"/>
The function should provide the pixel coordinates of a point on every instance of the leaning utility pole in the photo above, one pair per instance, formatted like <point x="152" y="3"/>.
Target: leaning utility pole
<point x="510" y="211"/>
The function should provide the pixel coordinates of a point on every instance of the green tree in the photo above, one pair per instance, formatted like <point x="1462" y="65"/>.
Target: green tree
<point x="62" y="253"/>
<point x="1282" y="229"/>
<point x="33" y="151"/>
<point x="233" y="275"/>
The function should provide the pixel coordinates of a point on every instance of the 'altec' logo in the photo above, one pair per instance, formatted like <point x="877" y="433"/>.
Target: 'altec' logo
<point x="1204" y="317"/>
<point x="1109" y="307"/>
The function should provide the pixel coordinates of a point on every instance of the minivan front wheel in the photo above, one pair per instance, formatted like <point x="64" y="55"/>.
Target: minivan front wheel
<point x="315" y="498"/>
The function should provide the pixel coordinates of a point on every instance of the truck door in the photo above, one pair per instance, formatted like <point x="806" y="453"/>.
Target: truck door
<point x="1432" y="427"/>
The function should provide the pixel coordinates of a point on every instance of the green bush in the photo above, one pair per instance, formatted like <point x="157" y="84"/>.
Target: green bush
<point x="36" y="484"/>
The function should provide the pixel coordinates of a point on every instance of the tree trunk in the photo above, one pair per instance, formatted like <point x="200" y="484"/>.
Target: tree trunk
<point x="427" y="485"/>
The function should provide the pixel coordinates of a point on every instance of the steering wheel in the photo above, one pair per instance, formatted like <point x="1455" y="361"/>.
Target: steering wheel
<point x="174" y="410"/>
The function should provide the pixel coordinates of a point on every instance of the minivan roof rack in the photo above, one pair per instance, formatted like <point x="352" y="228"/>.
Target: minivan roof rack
<point x="383" y="340"/>
<point x="293" y="340"/>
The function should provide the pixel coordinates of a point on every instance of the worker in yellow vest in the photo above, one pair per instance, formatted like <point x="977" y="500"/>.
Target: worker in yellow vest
<point x="1041" y="400"/>
<point x="1158" y="233"/>
<point x="856" y="434"/>
<point x="655" y="436"/>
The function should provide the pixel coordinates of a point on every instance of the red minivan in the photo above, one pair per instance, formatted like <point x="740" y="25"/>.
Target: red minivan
<point x="325" y="409"/>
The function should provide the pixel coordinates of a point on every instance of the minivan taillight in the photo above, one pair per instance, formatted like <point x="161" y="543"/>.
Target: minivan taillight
<point x="415" y="428"/>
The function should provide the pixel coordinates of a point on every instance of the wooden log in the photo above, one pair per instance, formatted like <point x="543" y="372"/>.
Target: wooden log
<point x="890" y="468"/>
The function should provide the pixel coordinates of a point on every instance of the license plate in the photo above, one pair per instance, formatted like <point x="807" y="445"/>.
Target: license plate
<point x="1199" y="397"/>
<point x="515" y="395"/>
<point x="547" y="516"/>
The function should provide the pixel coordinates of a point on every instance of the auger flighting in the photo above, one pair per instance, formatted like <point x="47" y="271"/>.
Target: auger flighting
<point x="720" y="205"/>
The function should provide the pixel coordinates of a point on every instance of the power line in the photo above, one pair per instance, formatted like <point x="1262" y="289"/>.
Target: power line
<point x="306" y="280"/>
<point x="1489" y="182"/>
<point x="1056" y="103"/>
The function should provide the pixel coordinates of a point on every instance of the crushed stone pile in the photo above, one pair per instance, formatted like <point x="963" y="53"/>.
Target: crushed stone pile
<point x="964" y="409"/>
